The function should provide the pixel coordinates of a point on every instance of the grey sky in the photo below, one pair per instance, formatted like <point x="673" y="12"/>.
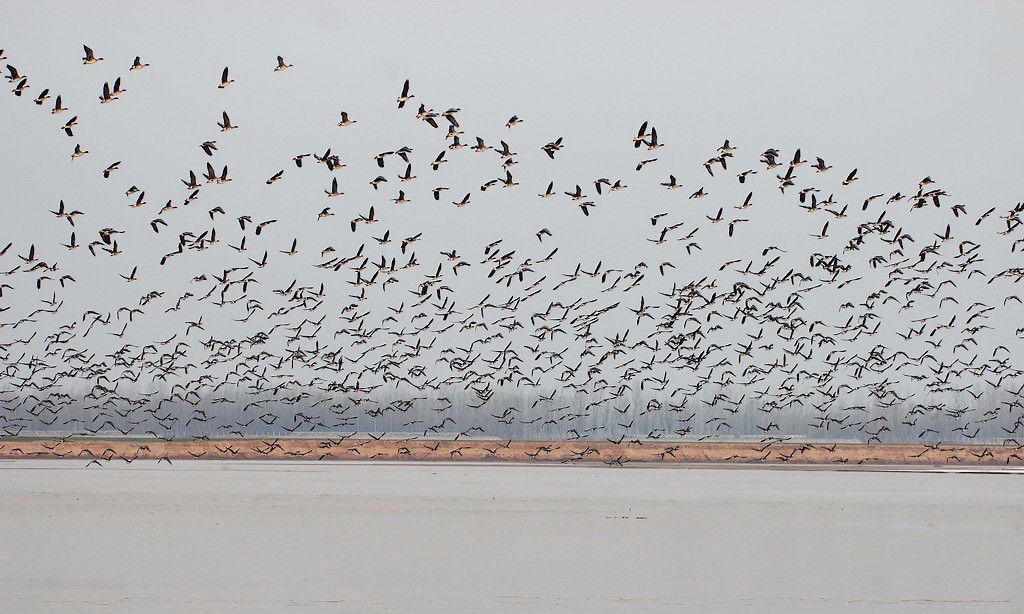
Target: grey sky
<point x="899" y="91"/>
<point x="896" y="90"/>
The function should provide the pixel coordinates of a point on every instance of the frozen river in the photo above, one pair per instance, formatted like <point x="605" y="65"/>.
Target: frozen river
<point x="363" y="537"/>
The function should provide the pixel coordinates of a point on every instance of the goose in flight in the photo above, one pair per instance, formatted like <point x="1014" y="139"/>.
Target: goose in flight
<point x="820" y="166"/>
<point x="577" y="195"/>
<point x="403" y="153"/>
<point x="12" y="74"/>
<point x="106" y="96"/>
<point x="653" y="143"/>
<point x="512" y="121"/>
<point x="641" y="135"/>
<point x="507" y="181"/>
<point x="334" y="188"/>
<point x="743" y="176"/>
<point x="345" y="121"/>
<point x="224" y="80"/>
<point x="71" y="123"/>
<point x="137" y="64"/>
<point x="505" y="152"/>
<point x="281" y="65"/>
<point x="406" y="96"/>
<point x="225" y="125"/>
<point x="644" y="163"/>
<point x="73" y="244"/>
<point x="366" y="219"/>
<point x="262" y="225"/>
<point x="733" y="223"/>
<point x="552" y="147"/>
<point x="90" y="57"/>
<point x="436" y="164"/>
<point x="797" y="161"/>
<point x="747" y="201"/>
<point x="480" y="147"/>
<point x="407" y="176"/>
<point x="131" y="276"/>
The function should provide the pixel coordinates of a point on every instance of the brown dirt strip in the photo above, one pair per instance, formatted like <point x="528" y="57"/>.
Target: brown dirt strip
<point x="516" y="451"/>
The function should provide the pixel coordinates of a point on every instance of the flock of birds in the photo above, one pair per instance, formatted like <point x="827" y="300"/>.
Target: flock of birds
<point x="852" y="329"/>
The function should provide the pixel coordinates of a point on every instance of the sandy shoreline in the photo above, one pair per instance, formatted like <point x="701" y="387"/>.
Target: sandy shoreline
<point x="516" y="451"/>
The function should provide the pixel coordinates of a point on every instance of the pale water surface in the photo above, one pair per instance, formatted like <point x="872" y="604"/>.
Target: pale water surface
<point x="362" y="537"/>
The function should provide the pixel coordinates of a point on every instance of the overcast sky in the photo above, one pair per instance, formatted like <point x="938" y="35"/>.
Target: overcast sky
<point x="896" y="90"/>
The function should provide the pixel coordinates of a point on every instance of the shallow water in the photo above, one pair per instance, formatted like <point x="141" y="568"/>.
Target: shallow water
<point x="209" y="536"/>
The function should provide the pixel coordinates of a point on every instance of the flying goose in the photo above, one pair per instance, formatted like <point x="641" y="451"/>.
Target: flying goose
<point x="224" y="81"/>
<point x="68" y="125"/>
<point x="641" y="135"/>
<point x="438" y="161"/>
<point x="334" y="188"/>
<point x="20" y="87"/>
<point x="106" y="96"/>
<point x="671" y="183"/>
<point x="225" y="125"/>
<point x="281" y="65"/>
<point x="820" y="166"/>
<point x="90" y="57"/>
<point x="401" y="100"/>
<point x="345" y="121"/>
